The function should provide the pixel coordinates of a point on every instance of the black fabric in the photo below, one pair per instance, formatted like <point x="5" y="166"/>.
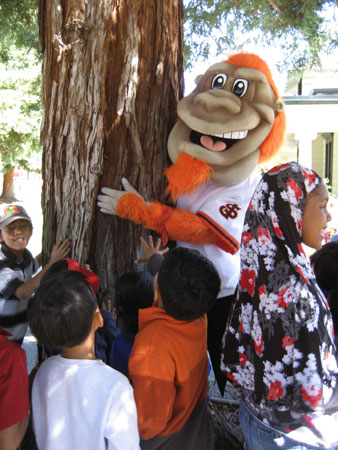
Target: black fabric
<point x="217" y="320"/>
<point x="196" y="434"/>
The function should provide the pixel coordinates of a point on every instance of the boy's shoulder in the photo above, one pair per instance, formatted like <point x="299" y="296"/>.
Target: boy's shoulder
<point x="58" y="363"/>
<point x="163" y="333"/>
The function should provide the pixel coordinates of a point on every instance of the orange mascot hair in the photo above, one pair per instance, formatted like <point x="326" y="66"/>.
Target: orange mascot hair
<point x="275" y="139"/>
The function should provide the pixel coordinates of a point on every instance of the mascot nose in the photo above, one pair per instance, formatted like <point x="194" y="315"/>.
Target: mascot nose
<point x="218" y="99"/>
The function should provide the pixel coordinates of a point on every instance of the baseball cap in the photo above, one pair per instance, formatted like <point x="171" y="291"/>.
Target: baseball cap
<point x="9" y="213"/>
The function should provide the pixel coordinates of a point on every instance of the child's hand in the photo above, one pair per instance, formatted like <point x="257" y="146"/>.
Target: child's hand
<point x="150" y="249"/>
<point x="60" y="250"/>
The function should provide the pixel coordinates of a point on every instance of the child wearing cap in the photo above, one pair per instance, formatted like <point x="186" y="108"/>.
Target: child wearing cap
<point x="78" y="402"/>
<point x="17" y="269"/>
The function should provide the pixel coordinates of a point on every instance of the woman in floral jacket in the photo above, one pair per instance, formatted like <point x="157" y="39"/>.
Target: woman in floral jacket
<point x="281" y="329"/>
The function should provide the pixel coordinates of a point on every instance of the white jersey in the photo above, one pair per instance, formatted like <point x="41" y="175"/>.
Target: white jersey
<point x="83" y="404"/>
<point x="222" y="208"/>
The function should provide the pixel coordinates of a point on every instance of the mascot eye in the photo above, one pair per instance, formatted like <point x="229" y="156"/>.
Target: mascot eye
<point x="240" y="87"/>
<point x="219" y="81"/>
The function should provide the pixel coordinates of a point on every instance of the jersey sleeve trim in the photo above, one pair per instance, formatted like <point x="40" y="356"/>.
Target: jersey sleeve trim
<point x="225" y="241"/>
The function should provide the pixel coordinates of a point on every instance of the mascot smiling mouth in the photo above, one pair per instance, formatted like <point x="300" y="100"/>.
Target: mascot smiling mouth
<point x="217" y="142"/>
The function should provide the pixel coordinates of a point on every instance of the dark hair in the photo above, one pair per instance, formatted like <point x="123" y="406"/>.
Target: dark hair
<point x="188" y="283"/>
<point x="58" y="266"/>
<point x="333" y="302"/>
<point x="60" y="313"/>
<point x="325" y="266"/>
<point x="133" y="291"/>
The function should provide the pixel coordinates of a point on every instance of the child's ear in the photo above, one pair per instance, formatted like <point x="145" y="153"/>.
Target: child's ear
<point x="97" y="319"/>
<point x="157" y="295"/>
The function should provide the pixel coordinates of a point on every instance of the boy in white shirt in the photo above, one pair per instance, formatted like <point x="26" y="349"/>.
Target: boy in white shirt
<point x="77" y="400"/>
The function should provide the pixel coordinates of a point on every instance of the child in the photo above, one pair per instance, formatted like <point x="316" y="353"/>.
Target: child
<point x="105" y="335"/>
<point x="168" y="363"/>
<point x="17" y="268"/>
<point x="325" y="266"/>
<point x="14" y="399"/>
<point x="133" y="291"/>
<point x="283" y="333"/>
<point x="77" y="400"/>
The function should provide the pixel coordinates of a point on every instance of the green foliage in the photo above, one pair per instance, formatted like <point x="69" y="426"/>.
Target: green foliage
<point x="20" y="112"/>
<point x="18" y="27"/>
<point x="299" y="27"/>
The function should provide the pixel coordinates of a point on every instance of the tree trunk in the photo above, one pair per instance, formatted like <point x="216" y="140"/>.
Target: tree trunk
<point x="8" y="185"/>
<point x="112" y="76"/>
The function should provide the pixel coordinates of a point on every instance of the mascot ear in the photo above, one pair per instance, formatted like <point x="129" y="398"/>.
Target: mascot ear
<point x="198" y="79"/>
<point x="279" y="105"/>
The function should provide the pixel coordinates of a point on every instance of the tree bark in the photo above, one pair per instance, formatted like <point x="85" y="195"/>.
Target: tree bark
<point x="112" y="76"/>
<point x="8" y="185"/>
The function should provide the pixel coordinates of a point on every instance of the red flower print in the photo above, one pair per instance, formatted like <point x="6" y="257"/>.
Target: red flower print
<point x="258" y="345"/>
<point x="263" y="236"/>
<point x="246" y="237"/>
<point x="309" y="174"/>
<point x="231" y="377"/>
<point x="275" y="391"/>
<point x="296" y="189"/>
<point x="278" y="168"/>
<point x="241" y="327"/>
<point x="276" y="228"/>
<point x="284" y="297"/>
<point x="302" y="274"/>
<point x="262" y="291"/>
<point x="300" y="248"/>
<point x="248" y="281"/>
<point x="242" y="359"/>
<point x="312" y="399"/>
<point x="288" y="341"/>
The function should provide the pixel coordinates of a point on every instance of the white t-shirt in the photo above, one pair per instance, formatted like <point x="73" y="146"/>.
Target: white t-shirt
<point x="224" y="208"/>
<point x="82" y="404"/>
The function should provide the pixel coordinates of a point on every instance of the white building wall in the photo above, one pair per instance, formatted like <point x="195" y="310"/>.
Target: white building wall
<point x="335" y="165"/>
<point x="318" y="155"/>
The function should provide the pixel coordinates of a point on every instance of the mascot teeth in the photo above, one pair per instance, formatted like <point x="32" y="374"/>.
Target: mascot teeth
<point x="233" y="135"/>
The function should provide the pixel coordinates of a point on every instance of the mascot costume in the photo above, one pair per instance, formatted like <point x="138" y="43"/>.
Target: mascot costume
<point x="231" y="122"/>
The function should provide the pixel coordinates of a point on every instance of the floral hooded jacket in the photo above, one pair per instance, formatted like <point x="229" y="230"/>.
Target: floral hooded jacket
<point x="279" y="345"/>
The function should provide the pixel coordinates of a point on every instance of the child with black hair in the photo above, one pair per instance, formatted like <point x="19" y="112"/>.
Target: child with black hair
<point x="77" y="400"/>
<point x="105" y="335"/>
<point x="168" y="363"/>
<point x="324" y="263"/>
<point x="133" y="291"/>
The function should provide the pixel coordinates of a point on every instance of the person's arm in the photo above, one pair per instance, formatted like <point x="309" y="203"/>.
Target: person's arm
<point x="60" y="251"/>
<point x="153" y="255"/>
<point x="11" y="437"/>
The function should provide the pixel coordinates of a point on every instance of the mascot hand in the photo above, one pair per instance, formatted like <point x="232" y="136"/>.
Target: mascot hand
<point x="108" y="202"/>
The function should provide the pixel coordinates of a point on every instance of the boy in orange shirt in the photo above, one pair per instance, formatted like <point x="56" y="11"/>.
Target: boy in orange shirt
<point x="168" y="364"/>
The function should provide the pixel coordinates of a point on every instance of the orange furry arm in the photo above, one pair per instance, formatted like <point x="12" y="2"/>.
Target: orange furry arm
<point x="178" y="224"/>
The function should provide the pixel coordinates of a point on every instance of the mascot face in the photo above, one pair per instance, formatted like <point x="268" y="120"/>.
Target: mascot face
<point x="225" y="120"/>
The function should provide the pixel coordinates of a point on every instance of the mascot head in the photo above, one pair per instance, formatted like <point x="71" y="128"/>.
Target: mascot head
<point x="233" y="120"/>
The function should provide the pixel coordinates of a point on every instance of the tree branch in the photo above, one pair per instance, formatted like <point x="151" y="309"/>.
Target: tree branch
<point x="275" y="7"/>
